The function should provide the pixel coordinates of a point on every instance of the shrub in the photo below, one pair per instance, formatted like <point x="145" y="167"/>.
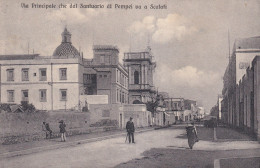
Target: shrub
<point x="29" y="108"/>
<point x="5" y="107"/>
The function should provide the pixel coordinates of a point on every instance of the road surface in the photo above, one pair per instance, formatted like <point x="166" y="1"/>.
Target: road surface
<point x="105" y="153"/>
<point x="111" y="152"/>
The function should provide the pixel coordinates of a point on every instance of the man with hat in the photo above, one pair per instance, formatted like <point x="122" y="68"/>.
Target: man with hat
<point x="46" y="128"/>
<point x="130" y="128"/>
<point x="62" y="130"/>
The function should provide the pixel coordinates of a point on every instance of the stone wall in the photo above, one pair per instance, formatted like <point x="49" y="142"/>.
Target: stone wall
<point x="22" y="127"/>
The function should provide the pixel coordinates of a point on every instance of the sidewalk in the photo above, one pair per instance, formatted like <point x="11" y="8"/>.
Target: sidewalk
<point x="49" y="144"/>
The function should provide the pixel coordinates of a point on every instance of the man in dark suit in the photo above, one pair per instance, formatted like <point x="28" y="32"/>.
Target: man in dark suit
<point x="130" y="128"/>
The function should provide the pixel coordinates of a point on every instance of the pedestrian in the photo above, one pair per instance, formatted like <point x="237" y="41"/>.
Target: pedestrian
<point x="130" y="128"/>
<point x="63" y="130"/>
<point x="46" y="128"/>
<point x="195" y="132"/>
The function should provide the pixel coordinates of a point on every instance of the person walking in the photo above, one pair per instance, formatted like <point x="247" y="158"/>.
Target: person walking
<point x="130" y="128"/>
<point x="46" y="128"/>
<point x="192" y="135"/>
<point x="63" y="130"/>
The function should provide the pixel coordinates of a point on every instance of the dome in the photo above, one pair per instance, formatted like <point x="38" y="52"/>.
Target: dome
<point x="66" y="49"/>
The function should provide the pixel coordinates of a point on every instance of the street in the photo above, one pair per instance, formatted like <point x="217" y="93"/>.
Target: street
<point x="115" y="152"/>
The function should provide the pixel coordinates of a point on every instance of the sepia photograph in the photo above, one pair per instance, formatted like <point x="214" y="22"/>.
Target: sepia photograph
<point x="129" y="84"/>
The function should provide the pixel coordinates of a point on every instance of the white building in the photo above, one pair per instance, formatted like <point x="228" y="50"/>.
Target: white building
<point x="49" y="83"/>
<point x="46" y="82"/>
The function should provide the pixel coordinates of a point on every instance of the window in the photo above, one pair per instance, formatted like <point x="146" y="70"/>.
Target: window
<point x="10" y="95"/>
<point x="123" y="97"/>
<point x="105" y="76"/>
<point x="43" y="95"/>
<point x="102" y="59"/>
<point x="120" y="98"/>
<point x="43" y="74"/>
<point x="63" y="73"/>
<point x="25" y="74"/>
<point x="117" y="76"/>
<point x="100" y="76"/>
<point x="25" y="95"/>
<point x="63" y="94"/>
<point x="136" y="77"/>
<point x="117" y="95"/>
<point x="10" y="74"/>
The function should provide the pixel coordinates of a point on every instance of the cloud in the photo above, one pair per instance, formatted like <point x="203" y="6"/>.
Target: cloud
<point x="147" y="25"/>
<point x="187" y="76"/>
<point x="123" y="49"/>
<point x="163" y="30"/>
<point x="73" y="15"/>
<point x="174" y="26"/>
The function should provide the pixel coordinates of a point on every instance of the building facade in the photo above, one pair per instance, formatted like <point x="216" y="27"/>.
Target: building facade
<point x="244" y="51"/>
<point x="248" y="94"/>
<point x="61" y="81"/>
<point x="140" y="66"/>
<point x="104" y="75"/>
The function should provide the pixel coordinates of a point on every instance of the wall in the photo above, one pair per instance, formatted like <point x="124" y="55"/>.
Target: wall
<point x="21" y="127"/>
<point x="100" y="112"/>
<point x="247" y="99"/>
<point x="169" y="118"/>
<point x="121" y="113"/>
<point x="256" y="68"/>
<point x="243" y="60"/>
<point x="141" y="117"/>
<point x="94" y="99"/>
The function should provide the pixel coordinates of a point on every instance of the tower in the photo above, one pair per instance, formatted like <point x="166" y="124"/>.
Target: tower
<point x="140" y="66"/>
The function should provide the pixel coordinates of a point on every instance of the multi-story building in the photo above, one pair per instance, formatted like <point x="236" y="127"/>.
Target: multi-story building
<point x="140" y="66"/>
<point x="47" y="82"/>
<point x="243" y="53"/>
<point x="105" y="75"/>
<point x="248" y="93"/>
<point x="59" y="81"/>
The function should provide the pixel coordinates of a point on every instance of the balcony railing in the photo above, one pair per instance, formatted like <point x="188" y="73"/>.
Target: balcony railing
<point x="141" y="87"/>
<point x="138" y="55"/>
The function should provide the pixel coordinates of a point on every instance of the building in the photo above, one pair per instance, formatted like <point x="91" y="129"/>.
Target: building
<point x="248" y="94"/>
<point x="244" y="51"/>
<point x="220" y="98"/>
<point x="140" y="66"/>
<point x="104" y="75"/>
<point x="49" y="83"/>
<point x="65" y="80"/>
<point x="184" y="109"/>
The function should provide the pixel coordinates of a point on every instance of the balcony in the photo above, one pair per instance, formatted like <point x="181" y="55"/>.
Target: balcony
<point x="138" y="56"/>
<point x="141" y="87"/>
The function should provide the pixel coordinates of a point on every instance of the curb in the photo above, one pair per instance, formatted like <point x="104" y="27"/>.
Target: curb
<point x="217" y="161"/>
<point x="58" y="146"/>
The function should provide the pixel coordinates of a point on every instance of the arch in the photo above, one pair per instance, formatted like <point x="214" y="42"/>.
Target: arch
<point x="136" y="77"/>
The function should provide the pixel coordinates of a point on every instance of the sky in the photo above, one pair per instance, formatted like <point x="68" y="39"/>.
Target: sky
<point x="189" y="39"/>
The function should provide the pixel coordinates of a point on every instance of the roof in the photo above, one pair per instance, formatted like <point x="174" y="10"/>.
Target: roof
<point x="18" y="57"/>
<point x="66" y="50"/>
<point x="247" y="43"/>
<point x="105" y="47"/>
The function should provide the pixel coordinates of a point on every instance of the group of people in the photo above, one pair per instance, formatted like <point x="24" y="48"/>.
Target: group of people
<point x="48" y="132"/>
<point x="130" y="128"/>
